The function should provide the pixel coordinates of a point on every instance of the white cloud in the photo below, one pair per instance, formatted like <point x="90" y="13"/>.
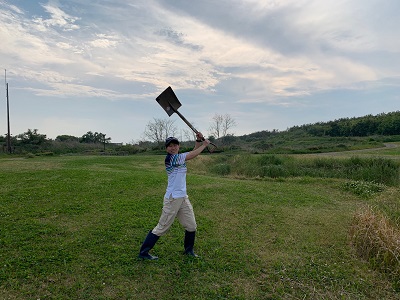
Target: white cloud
<point x="188" y="53"/>
<point x="63" y="45"/>
<point x="16" y="9"/>
<point x="104" y="41"/>
<point x="58" y="18"/>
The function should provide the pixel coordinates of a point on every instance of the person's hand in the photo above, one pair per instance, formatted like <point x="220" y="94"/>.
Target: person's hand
<point x="199" y="136"/>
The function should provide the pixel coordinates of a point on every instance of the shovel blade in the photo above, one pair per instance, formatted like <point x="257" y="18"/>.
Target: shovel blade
<point x="168" y="101"/>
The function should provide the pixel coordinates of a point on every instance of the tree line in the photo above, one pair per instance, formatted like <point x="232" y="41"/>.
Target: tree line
<point x="220" y="132"/>
<point x="33" y="141"/>
<point x="381" y="124"/>
<point x="369" y="125"/>
<point x="155" y="133"/>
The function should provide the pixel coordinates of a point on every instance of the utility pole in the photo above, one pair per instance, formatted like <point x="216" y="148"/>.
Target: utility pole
<point x="8" y="116"/>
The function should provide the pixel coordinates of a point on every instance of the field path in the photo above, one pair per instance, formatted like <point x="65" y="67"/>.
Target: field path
<point x="387" y="146"/>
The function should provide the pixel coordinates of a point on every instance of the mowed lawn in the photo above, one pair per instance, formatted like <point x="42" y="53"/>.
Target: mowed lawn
<point x="71" y="228"/>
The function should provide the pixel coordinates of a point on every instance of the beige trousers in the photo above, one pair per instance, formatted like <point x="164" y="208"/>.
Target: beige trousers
<point x="172" y="208"/>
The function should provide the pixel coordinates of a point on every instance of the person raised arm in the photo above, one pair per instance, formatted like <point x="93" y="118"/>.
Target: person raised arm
<point x="199" y="146"/>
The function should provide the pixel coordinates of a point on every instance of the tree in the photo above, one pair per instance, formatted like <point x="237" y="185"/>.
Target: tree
<point x="94" y="138"/>
<point x="32" y="137"/>
<point x="88" y="138"/>
<point x="221" y="125"/>
<point x="159" y="129"/>
<point x="67" y="138"/>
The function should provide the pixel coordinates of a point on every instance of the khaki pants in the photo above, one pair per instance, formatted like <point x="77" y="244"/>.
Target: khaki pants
<point x="176" y="207"/>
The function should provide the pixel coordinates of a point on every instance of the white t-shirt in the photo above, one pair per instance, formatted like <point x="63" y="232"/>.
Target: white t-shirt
<point x="176" y="170"/>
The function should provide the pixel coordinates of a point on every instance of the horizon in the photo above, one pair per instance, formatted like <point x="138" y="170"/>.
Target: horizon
<point x="183" y="139"/>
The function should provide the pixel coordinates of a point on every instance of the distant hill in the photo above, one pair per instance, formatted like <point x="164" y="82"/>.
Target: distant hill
<point x="381" y="124"/>
<point x="338" y="135"/>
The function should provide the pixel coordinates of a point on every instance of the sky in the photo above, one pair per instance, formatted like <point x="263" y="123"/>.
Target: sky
<point x="75" y="66"/>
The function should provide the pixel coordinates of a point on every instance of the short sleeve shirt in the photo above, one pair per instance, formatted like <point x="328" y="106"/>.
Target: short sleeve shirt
<point x="176" y="170"/>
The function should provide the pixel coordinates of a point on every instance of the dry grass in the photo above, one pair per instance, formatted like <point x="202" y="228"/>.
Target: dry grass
<point x="377" y="240"/>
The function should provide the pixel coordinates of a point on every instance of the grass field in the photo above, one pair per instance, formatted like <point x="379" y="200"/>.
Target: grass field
<point x="71" y="228"/>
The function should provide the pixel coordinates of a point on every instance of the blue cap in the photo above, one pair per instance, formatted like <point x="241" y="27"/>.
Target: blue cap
<point x="170" y="140"/>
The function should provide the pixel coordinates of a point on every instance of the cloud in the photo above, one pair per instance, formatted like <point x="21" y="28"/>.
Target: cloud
<point x="274" y="47"/>
<point x="58" y="18"/>
<point x="177" y="38"/>
<point x="104" y="41"/>
<point x="268" y="49"/>
<point x="15" y="9"/>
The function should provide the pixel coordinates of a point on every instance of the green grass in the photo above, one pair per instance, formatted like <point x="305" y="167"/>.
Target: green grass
<point x="71" y="228"/>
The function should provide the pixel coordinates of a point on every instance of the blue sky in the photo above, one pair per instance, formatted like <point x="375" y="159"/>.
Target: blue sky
<point x="76" y="66"/>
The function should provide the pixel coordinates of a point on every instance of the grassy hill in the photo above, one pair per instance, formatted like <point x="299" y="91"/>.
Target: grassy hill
<point x="338" y="135"/>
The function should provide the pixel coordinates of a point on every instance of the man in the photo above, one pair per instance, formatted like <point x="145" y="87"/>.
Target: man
<point x="176" y="200"/>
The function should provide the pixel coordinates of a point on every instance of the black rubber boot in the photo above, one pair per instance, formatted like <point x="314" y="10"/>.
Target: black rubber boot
<point x="148" y="244"/>
<point x="189" y="243"/>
